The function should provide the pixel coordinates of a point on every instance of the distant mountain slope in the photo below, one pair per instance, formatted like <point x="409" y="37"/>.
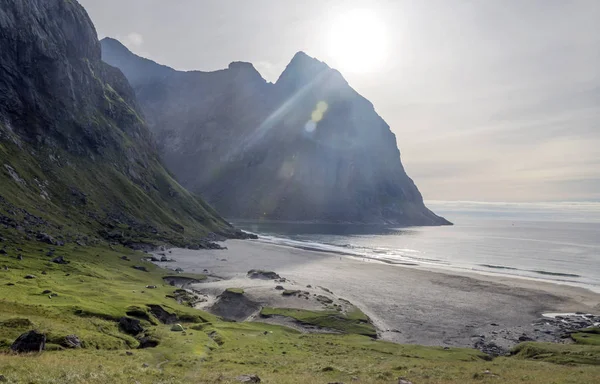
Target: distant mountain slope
<point x="76" y="158"/>
<point x="307" y="148"/>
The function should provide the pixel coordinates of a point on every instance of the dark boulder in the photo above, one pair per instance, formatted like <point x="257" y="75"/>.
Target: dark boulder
<point x="31" y="341"/>
<point x="45" y="238"/>
<point x="162" y="315"/>
<point x="130" y="326"/>
<point x="265" y="275"/>
<point x="60" y="260"/>
<point x="140" y="268"/>
<point x="248" y="379"/>
<point x="71" y="341"/>
<point x="147" y="342"/>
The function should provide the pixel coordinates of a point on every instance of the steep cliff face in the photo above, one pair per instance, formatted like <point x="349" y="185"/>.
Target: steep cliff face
<point x="74" y="149"/>
<point x="307" y="148"/>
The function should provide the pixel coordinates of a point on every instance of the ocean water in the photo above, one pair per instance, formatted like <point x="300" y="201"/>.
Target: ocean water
<point x="561" y="252"/>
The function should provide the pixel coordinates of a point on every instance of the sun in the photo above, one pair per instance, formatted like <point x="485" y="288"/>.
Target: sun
<point x="358" y="41"/>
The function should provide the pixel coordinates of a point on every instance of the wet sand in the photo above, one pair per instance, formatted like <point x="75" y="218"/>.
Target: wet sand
<point x="408" y="304"/>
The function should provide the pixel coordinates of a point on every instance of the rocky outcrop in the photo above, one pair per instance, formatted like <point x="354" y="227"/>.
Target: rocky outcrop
<point x="130" y="326"/>
<point x="74" y="141"/>
<point x="31" y="341"/>
<point x="307" y="148"/>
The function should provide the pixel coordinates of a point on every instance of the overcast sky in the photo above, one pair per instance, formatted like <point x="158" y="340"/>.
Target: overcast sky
<point x="491" y="100"/>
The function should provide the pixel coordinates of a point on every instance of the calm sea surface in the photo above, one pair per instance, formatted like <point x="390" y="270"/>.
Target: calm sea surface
<point x="568" y="253"/>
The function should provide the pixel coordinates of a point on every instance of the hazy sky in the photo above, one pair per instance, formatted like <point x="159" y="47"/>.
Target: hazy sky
<point x="493" y="100"/>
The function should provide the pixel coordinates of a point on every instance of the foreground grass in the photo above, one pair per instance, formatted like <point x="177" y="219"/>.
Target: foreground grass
<point x="97" y="287"/>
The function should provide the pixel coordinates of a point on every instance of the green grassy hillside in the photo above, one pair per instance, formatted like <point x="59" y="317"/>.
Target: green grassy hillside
<point x="98" y="287"/>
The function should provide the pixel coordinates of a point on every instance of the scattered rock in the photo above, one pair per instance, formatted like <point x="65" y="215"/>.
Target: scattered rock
<point x="177" y="328"/>
<point x="265" y="275"/>
<point x="44" y="273"/>
<point x="31" y="341"/>
<point x="130" y="325"/>
<point x="29" y="277"/>
<point x="178" y="270"/>
<point x="162" y="315"/>
<point x="145" y="365"/>
<point x="165" y="259"/>
<point x="3" y="379"/>
<point x="324" y="299"/>
<point x="71" y="341"/>
<point x="19" y="257"/>
<point x="325" y="289"/>
<point x="151" y="286"/>
<point x="60" y="260"/>
<point x="147" y="342"/>
<point x="3" y="252"/>
<point x="125" y="258"/>
<point x="402" y="380"/>
<point x="140" y="268"/>
<point x="279" y="288"/>
<point x="129" y="353"/>
<point x="45" y="238"/>
<point x="47" y="292"/>
<point x="248" y="379"/>
<point x="234" y="306"/>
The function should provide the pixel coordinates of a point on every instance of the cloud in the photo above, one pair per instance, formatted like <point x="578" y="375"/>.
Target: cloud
<point x="133" y="40"/>
<point x="584" y="212"/>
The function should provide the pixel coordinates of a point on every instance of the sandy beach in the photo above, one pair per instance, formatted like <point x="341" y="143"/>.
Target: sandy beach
<point x="407" y="304"/>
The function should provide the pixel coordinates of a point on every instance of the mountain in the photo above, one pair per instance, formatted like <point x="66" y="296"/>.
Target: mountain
<point x="307" y="148"/>
<point x="77" y="161"/>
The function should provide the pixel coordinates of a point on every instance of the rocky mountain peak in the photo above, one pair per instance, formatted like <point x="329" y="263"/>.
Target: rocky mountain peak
<point x="302" y="70"/>
<point x="307" y="148"/>
<point x="247" y="70"/>
<point x="133" y="66"/>
<point x="114" y="44"/>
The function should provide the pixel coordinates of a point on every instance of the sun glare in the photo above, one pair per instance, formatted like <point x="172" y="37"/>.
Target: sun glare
<point x="358" y="41"/>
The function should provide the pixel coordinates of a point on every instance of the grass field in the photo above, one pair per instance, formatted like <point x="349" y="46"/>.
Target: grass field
<point x="97" y="287"/>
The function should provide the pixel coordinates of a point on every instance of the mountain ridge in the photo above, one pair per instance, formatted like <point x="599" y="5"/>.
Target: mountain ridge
<point x="77" y="160"/>
<point x="228" y="131"/>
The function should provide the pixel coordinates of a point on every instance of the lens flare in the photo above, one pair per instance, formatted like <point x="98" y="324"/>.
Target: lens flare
<point x="310" y="127"/>
<point x="316" y="116"/>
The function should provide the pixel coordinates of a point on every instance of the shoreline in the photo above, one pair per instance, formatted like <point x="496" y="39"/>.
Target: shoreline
<point x="494" y="270"/>
<point x="407" y="304"/>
